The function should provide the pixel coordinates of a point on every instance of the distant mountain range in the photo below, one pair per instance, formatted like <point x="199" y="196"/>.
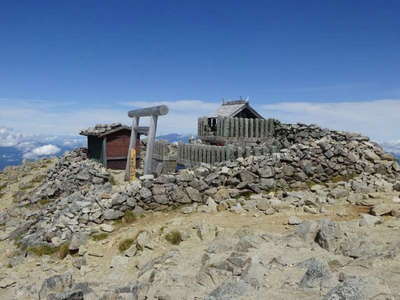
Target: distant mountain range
<point x="16" y="148"/>
<point x="175" y="137"/>
<point x="14" y="155"/>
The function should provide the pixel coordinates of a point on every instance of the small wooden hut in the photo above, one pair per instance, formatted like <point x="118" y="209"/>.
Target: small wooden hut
<point x="109" y="143"/>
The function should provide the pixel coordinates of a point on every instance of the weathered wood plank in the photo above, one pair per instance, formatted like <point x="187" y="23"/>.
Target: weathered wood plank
<point x="251" y="128"/>
<point x="149" y="111"/>
<point x="246" y="128"/>
<point x="226" y="127"/>
<point x="236" y="127"/>
<point x="232" y="127"/>
<point x="150" y="143"/>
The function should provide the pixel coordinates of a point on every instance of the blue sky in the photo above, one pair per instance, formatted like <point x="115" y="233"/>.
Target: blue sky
<point x="70" y="64"/>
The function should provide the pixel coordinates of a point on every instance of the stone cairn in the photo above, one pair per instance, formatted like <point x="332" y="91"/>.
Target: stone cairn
<point x="80" y="194"/>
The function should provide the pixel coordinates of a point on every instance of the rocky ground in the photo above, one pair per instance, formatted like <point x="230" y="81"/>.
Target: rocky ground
<point x="339" y="254"/>
<point x="317" y="220"/>
<point x="347" y="249"/>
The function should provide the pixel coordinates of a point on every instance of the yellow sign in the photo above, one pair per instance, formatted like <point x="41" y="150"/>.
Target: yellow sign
<point x="132" y="165"/>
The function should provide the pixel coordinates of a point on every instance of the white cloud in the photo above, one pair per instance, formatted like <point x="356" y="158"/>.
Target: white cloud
<point x="45" y="150"/>
<point x="182" y="117"/>
<point x="379" y="119"/>
<point x="392" y="146"/>
<point x="9" y="138"/>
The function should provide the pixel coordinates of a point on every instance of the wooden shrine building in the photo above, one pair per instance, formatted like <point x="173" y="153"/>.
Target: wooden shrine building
<point x="234" y="122"/>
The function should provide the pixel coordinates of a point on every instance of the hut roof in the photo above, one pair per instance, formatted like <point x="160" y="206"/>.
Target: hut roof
<point x="101" y="130"/>
<point x="232" y="108"/>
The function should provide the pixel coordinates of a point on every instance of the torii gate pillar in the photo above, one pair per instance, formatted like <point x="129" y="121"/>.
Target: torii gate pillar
<point x="153" y="113"/>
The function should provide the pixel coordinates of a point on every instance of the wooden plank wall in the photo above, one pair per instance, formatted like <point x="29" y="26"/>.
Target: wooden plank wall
<point x="239" y="127"/>
<point x="160" y="150"/>
<point x="192" y="155"/>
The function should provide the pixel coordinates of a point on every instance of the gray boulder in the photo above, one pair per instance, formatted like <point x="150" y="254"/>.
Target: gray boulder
<point x="330" y="236"/>
<point x="229" y="290"/>
<point x="55" y="284"/>
<point x="111" y="214"/>
<point x="350" y="289"/>
<point x="317" y="274"/>
<point x="69" y="295"/>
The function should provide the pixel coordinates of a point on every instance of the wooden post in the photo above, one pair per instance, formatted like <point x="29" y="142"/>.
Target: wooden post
<point x="150" y="145"/>
<point x="232" y="127"/>
<point x="199" y="127"/>
<point x="228" y="153"/>
<point x="180" y="153"/>
<point x="236" y="127"/>
<point x="218" y="155"/>
<point x="105" y="152"/>
<point x="272" y="127"/>
<point x="226" y="127"/>
<point x="256" y="128"/>
<point x="251" y="128"/>
<point x="241" y="127"/>
<point x="262" y="130"/>
<point x="130" y="169"/>
<point x="246" y="128"/>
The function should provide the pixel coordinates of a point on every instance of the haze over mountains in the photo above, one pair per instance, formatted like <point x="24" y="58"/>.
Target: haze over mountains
<point x="15" y="148"/>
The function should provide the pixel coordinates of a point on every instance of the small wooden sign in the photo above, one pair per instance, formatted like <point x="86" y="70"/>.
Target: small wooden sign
<point x="132" y="164"/>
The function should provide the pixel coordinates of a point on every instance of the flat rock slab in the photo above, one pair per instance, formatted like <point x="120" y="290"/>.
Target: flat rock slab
<point x="293" y="220"/>
<point x="381" y="209"/>
<point x="106" y="228"/>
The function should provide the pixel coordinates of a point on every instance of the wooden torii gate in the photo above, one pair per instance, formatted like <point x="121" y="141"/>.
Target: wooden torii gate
<point x="153" y="113"/>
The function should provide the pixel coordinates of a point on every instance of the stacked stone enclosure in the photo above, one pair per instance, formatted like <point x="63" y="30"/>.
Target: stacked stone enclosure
<point x="79" y="191"/>
<point x="235" y="130"/>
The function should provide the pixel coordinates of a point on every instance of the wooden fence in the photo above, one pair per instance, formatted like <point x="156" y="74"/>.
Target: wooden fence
<point x="161" y="150"/>
<point x="236" y="127"/>
<point x="192" y="155"/>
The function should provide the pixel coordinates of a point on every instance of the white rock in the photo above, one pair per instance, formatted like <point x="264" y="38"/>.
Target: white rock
<point x="147" y="177"/>
<point x="187" y="209"/>
<point x="225" y="170"/>
<point x="211" y="205"/>
<point x="294" y="220"/>
<point x="237" y="209"/>
<point x="95" y="253"/>
<point x="106" y="228"/>
<point x="56" y="241"/>
<point x="310" y="210"/>
<point x="270" y="211"/>
<point x="368" y="220"/>
<point x="143" y="240"/>
<point x="118" y="262"/>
